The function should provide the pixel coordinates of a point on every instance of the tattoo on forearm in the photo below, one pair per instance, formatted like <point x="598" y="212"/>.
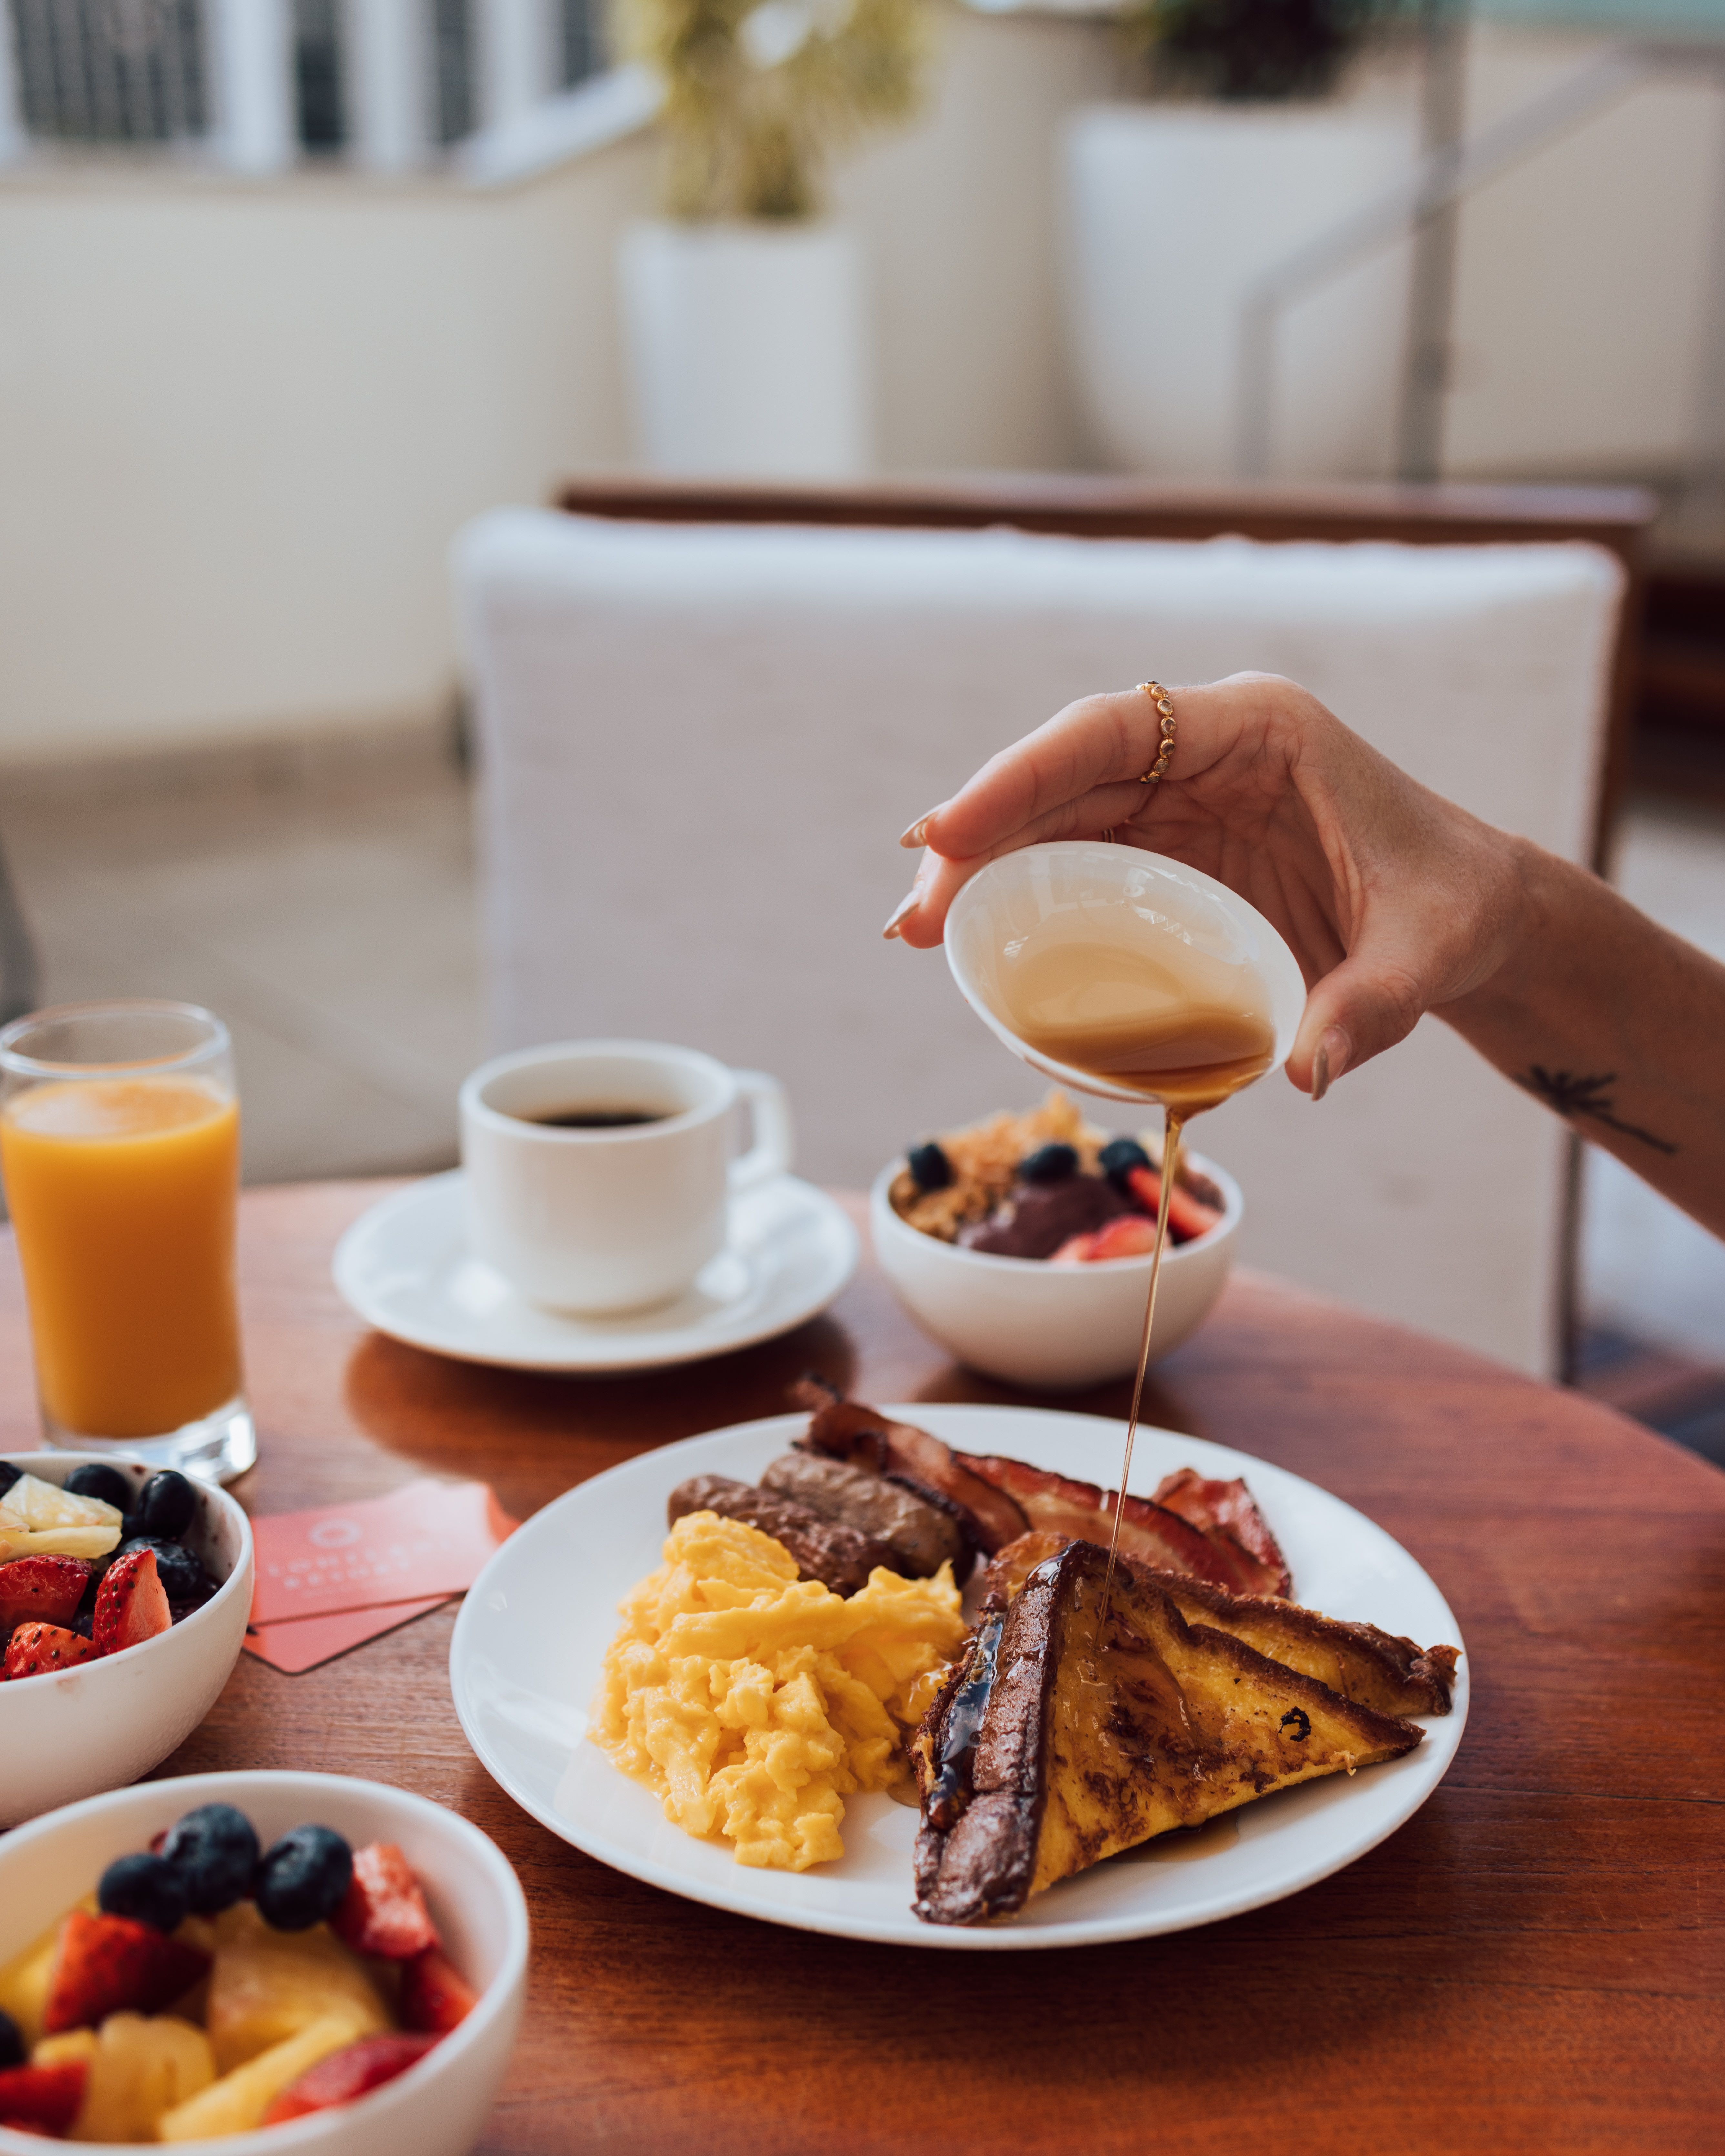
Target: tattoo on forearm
<point x="1574" y="1096"/>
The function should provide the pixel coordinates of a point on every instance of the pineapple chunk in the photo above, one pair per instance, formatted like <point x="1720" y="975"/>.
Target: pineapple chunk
<point x="55" y="2050"/>
<point x="266" y="1986"/>
<point x="23" y="1982"/>
<point x="33" y="1503"/>
<point x="236" y="2102"/>
<point x="38" y="1520"/>
<point x="55" y="1542"/>
<point x="141" y="2067"/>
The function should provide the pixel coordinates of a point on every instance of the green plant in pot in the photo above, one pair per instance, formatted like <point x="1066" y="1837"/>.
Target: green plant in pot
<point x="1180" y="202"/>
<point x="758" y="94"/>
<point x="1238" y="51"/>
<point x="746" y="309"/>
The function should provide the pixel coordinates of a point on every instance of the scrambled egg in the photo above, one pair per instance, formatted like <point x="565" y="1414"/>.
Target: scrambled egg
<point x="752" y="1702"/>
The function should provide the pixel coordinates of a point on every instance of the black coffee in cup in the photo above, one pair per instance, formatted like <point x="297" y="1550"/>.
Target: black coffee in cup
<point x="596" y="1119"/>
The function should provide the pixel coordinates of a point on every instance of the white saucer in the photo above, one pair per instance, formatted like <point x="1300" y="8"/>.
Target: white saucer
<point x="406" y="1268"/>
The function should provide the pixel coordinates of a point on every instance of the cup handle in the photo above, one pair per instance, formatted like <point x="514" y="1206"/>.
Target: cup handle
<point x="770" y="1155"/>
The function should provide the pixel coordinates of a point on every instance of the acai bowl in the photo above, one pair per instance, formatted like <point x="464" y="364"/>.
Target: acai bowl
<point x="955" y="1246"/>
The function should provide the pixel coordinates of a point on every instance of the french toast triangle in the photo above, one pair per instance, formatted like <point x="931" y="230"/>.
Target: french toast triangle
<point x="1062" y="1738"/>
<point x="1371" y="1667"/>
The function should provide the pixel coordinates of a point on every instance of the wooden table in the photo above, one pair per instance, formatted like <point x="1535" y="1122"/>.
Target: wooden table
<point x="1533" y="1963"/>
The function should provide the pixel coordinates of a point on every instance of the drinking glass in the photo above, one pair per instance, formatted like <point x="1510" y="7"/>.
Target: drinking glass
<point x="120" y="1149"/>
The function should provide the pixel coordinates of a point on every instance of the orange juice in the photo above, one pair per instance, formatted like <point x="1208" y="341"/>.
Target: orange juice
<point x="122" y="1191"/>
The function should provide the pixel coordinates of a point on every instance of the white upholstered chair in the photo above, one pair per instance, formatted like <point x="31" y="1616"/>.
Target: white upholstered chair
<point x="698" y="743"/>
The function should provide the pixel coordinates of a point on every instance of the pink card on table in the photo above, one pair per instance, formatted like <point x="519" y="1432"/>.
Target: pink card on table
<point x="301" y="1643"/>
<point x="421" y="1543"/>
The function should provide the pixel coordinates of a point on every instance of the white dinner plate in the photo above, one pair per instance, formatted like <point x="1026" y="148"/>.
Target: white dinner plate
<point x="405" y="1267"/>
<point x="525" y="1659"/>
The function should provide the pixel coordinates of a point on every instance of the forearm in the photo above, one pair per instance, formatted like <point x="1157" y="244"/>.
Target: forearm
<point x="1614" y="1023"/>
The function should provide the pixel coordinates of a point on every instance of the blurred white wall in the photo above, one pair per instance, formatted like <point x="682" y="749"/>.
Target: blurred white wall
<point x="239" y="421"/>
<point x="1583" y="277"/>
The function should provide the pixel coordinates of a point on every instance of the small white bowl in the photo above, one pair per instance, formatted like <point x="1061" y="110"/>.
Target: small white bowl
<point x="1019" y="892"/>
<point x="104" y="1723"/>
<point x="438" y="2107"/>
<point x="1053" y="1328"/>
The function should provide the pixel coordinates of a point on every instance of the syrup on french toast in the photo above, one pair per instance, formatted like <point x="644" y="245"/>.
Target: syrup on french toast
<point x="1074" y="1727"/>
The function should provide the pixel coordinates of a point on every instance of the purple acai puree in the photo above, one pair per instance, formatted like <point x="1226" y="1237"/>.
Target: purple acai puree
<point x="1038" y="1216"/>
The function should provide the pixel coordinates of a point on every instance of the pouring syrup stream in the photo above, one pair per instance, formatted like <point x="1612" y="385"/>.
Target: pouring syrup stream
<point x="1170" y="1169"/>
<point x="1160" y="1015"/>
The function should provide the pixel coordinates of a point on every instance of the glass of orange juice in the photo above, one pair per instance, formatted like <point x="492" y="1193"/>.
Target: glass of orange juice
<point x="119" y="1149"/>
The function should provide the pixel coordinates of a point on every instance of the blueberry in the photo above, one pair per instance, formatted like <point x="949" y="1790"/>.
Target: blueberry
<point x="1118" y="1158"/>
<point x="183" y="1578"/>
<point x="303" y="1879"/>
<point x="106" y="1483"/>
<point x="930" y="1169"/>
<point x="83" y="1622"/>
<point x="131" y="1527"/>
<point x="1049" y="1163"/>
<point x="147" y="1889"/>
<point x="168" y="1504"/>
<point x="11" y="2043"/>
<point x="9" y="1476"/>
<point x="215" y="1851"/>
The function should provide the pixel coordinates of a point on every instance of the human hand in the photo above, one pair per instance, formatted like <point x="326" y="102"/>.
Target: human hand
<point x="1393" y="900"/>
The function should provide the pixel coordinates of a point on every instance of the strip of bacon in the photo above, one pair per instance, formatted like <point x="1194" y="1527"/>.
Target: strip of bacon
<point x="1211" y="1529"/>
<point x="1148" y="1533"/>
<point x="1228" y="1509"/>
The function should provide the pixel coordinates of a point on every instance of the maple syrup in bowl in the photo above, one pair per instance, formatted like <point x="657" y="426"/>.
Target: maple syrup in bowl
<point x="1122" y="973"/>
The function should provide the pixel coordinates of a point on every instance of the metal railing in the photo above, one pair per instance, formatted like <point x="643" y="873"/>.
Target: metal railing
<point x="258" y="85"/>
<point x="111" y="71"/>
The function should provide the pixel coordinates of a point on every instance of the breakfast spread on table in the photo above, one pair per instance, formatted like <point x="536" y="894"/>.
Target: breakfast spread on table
<point x="1047" y="1184"/>
<point x="209" y="1987"/>
<point x="1050" y="1673"/>
<point x="804" y="1641"/>
<point x="93" y="1565"/>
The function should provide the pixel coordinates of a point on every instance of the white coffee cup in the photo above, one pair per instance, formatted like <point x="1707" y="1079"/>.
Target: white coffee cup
<point x="600" y="1218"/>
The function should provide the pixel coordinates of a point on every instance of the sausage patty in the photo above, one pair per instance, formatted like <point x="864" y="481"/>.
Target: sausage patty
<point x="839" y="1557"/>
<point x="919" y="1535"/>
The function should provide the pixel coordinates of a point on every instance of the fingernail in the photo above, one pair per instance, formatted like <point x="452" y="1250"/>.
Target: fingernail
<point x="917" y="835"/>
<point x="1329" y="1062"/>
<point x="904" y="908"/>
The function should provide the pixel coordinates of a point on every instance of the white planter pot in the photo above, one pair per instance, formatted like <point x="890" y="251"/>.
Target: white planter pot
<point x="1173" y="211"/>
<point x="749" y="349"/>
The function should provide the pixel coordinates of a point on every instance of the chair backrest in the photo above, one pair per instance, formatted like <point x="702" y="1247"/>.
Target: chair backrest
<point x="698" y="743"/>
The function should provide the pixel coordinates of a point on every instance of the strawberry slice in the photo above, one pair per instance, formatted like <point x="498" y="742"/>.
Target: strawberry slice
<point x="42" y="2099"/>
<point x="132" y="1603"/>
<point x="45" y="1590"/>
<point x="434" y="1996"/>
<point x="110" y="1965"/>
<point x="345" y="2075"/>
<point x="38" y="1650"/>
<point x="385" y="1912"/>
<point x="1188" y="1217"/>
<point x="1130" y="1235"/>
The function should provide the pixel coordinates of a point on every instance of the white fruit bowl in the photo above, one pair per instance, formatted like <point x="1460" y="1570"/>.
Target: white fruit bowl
<point x="104" y="1723"/>
<point x="438" y="2107"/>
<point x="1054" y="1328"/>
